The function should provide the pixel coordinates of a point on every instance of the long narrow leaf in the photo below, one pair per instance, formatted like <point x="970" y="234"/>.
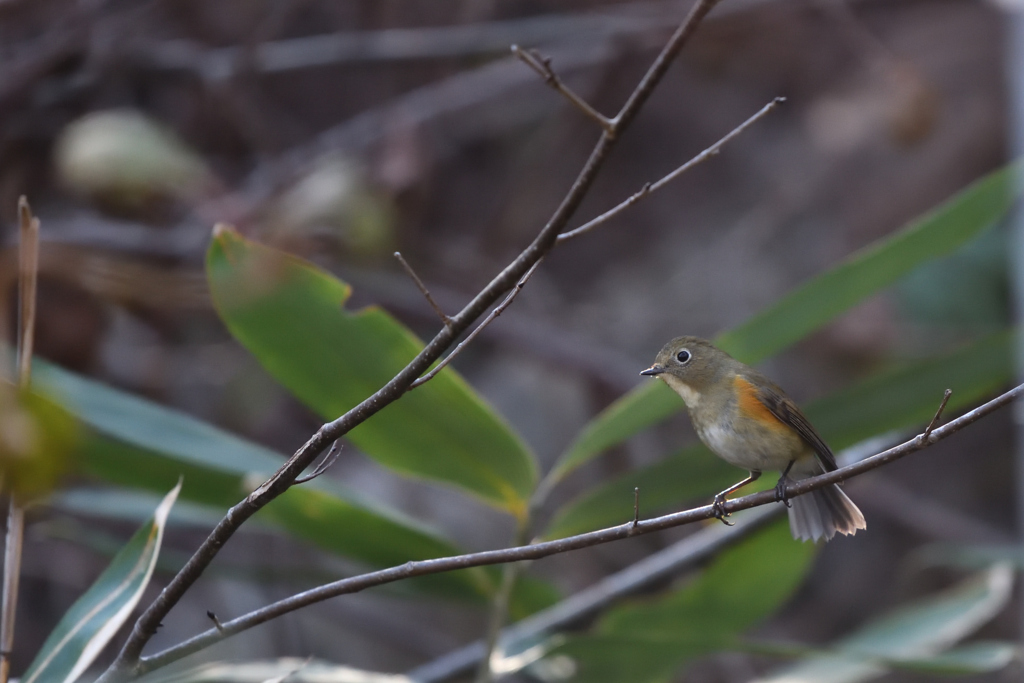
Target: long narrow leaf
<point x="140" y="444"/>
<point x="913" y="633"/>
<point x="95" y="617"/>
<point x="646" y="641"/>
<point x="815" y="303"/>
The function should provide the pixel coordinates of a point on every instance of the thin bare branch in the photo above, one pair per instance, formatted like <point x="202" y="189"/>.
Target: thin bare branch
<point x="28" y="271"/>
<point x="542" y="65"/>
<point x="938" y="414"/>
<point x="537" y="551"/>
<point x="445" y="320"/>
<point x="479" y="328"/>
<point x="650" y="188"/>
<point x="128" y="663"/>
<point x="636" y="506"/>
<point x="325" y="464"/>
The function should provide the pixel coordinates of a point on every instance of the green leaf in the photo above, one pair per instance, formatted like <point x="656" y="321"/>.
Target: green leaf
<point x="897" y="398"/>
<point x="95" y="617"/>
<point x="916" y="632"/>
<point x="140" y="444"/>
<point x="812" y="305"/>
<point x="647" y="641"/>
<point x="291" y="316"/>
<point x="37" y="441"/>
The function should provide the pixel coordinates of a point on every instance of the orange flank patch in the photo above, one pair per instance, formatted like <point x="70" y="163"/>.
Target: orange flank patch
<point x="750" y="406"/>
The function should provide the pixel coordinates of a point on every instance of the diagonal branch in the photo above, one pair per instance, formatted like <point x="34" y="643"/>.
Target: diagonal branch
<point x="127" y="663"/>
<point x="536" y="551"/>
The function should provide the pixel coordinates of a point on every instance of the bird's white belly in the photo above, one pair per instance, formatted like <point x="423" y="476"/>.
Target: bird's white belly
<point x="767" y="451"/>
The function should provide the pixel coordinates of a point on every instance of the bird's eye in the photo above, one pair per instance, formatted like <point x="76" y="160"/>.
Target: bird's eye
<point x="683" y="356"/>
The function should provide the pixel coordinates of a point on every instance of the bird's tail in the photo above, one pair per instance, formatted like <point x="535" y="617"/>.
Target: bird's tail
<point x="823" y="512"/>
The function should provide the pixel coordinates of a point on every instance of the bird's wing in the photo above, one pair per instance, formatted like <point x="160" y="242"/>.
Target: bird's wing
<point x="788" y="413"/>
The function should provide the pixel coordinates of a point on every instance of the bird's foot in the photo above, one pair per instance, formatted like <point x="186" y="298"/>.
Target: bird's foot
<point x="780" y="491"/>
<point x="718" y="509"/>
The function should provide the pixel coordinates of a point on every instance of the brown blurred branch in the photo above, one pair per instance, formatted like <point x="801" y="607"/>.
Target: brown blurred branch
<point x="28" y="271"/>
<point x="128" y="662"/>
<point x="537" y="551"/>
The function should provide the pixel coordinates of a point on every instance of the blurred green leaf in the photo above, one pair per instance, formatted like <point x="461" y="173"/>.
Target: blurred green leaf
<point x="648" y="640"/>
<point x="812" y="305"/>
<point x="975" y="286"/>
<point x="897" y="398"/>
<point x="291" y="316"/>
<point x="143" y="445"/>
<point x="37" y="440"/>
<point x="95" y="617"/>
<point x="912" y="634"/>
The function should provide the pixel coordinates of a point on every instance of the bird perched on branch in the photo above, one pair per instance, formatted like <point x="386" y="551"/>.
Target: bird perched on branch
<point x="749" y="422"/>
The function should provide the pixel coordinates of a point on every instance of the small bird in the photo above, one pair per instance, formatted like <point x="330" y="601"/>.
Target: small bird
<point x="749" y="422"/>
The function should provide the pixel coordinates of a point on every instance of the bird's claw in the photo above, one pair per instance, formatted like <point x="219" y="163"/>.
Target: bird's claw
<point x="780" y="491"/>
<point x="718" y="510"/>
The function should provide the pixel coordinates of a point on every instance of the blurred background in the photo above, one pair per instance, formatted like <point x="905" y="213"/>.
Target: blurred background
<point x="344" y="131"/>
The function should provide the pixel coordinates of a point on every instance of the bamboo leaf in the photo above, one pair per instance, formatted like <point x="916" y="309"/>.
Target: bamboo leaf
<point x="914" y="633"/>
<point x="95" y="617"/>
<point x="140" y="444"/>
<point x="648" y="640"/>
<point x="291" y="316"/>
<point x="815" y="303"/>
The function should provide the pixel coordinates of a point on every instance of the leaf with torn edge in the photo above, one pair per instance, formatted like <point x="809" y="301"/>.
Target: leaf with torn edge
<point x="95" y="617"/>
<point x="291" y="316"/>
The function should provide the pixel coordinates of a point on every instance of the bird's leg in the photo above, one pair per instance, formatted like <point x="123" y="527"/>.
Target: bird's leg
<point x="780" y="487"/>
<point x="718" y="506"/>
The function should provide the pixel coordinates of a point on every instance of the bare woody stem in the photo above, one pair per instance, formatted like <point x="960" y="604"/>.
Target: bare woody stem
<point x="537" y="551"/>
<point x="28" y="274"/>
<point x="127" y="663"/>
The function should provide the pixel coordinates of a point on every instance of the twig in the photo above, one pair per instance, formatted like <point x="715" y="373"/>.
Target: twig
<point x="216" y="622"/>
<point x="28" y="269"/>
<point x="537" y="551"/>
<point x="423" y="288"/>
<point x="479" y="328"/>
<point x="542" y="65"/>
<point x="938" y="414"/>
<point x="329" y="459"/>
<point x="128" y="663"/>
<point x="650" y="188"/>
<point x="28" y="272"/>
<point x="636" y="506"/>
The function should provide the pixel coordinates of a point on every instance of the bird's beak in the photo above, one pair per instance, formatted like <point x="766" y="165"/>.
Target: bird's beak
<point x="653" y="370"/>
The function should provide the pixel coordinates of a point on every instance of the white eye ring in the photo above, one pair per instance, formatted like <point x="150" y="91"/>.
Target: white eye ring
<point x="684" y="356"/>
